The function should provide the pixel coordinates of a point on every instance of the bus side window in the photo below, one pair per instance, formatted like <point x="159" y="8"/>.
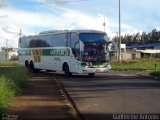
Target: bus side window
<point x="69" y="40"/>
<point x="47" y="41"/>
<point x="66" y="39"/>
<point x="75" y="45"/>
<point x="19" y="40"/>
<point x="19" y="43"/>
<point x="27" y="43"/>
<point x="56" y="40"/>
<point x="62" y="40"/>
<point x="53" y="40"/>
<point x="23" y="43"/>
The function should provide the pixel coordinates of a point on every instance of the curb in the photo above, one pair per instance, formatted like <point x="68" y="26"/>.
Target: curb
<point x="76" y="113"/>
<point x="150" y="76"/>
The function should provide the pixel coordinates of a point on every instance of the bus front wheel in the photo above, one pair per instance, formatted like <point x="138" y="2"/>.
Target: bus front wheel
<point x="66" y="70"/>
<point x="91" y="74"/>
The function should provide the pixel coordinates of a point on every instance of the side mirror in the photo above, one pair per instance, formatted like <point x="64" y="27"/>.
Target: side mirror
<point x="72" y="56"/>
<point x="112" y="46"/>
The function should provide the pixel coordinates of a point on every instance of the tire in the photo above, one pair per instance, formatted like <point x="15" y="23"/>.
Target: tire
<point x="27" y="65"/>
<point x="66" y="70"/>
<point x="32" y="69"/>
<point x="91" y="74"/>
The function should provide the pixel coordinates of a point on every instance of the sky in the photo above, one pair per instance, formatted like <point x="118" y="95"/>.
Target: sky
<point x="34" y="16"/>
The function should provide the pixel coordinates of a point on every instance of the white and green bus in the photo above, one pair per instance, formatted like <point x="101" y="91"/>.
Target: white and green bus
<point x="74" y="51"/>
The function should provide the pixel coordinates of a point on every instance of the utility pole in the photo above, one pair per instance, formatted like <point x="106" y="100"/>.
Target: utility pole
<point x="119" y="31"/>
<point x="104" y="24"/>
<point x="117" y="52"/>
<point x="20" y="33"/>
<point x="6" y="49"/>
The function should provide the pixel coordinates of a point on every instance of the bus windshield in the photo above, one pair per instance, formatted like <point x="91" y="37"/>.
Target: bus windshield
<point x="95" y="47"/>
<point x="93" y="37"/>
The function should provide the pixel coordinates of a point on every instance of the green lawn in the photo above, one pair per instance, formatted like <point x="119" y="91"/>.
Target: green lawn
<point x="138" y="64"/>
<point x="9" y="63"/>
<point x="12" y="80"/>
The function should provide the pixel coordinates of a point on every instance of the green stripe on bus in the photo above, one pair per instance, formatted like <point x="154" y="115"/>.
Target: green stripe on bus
<point x="39" y="59"/>
<point x="37" y="53"/>
<point x="47" y="52"/>
<point x="56" y="52"/>
<point x="24" y="52"/>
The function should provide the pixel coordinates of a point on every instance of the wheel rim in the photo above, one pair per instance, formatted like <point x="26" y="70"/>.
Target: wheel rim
<point x="66" y="70"/>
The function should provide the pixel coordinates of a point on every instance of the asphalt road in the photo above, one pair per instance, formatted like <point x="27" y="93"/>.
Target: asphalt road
<point x="109" y="94"/>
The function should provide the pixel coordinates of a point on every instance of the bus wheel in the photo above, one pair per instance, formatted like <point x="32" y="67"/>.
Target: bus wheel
<point x="27" y="65"/>
<point x="91" y="74"/>
<point x="66" y="70"/>
<point x="32" y="69"/>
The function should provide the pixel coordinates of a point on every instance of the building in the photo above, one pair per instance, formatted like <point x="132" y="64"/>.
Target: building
<point x="147" y="50"/>
<point x="155" y="46"/>
<point x="3" y="56"/>
<point x="11" y="55"/>
<point x="150" y="53"/>
<point x="126" y="55"/>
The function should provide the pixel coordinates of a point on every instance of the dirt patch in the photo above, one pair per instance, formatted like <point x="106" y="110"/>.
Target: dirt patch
<point x="41" y="100"/>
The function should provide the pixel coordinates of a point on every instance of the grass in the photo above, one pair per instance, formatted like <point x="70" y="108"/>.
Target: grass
<point x="12" y="80"/>
<point x="156" y="73"/>
<point x="137" y="64"/>
<point x="151" y="64"/>
<point x="9" y="63"/>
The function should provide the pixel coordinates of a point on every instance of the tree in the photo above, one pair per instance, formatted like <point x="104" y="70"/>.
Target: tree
<point x="7" y="49"/>
<point x="144" y="38"/>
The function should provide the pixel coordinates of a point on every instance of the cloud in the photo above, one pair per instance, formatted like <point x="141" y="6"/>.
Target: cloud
<point x="10" y="29"/>
<point x="132" y="32"/>
<point x="158" y="28"/>
<point x="57" y="2"/>
<point x="30" y="22"/>
<point x="3" y="16"/>
<point x="78" y="20"/>
<point x="60" y="3"/>
<point x="67" y="20"/>
<point x="4" y="3"/>
<point x="33" y="22"/>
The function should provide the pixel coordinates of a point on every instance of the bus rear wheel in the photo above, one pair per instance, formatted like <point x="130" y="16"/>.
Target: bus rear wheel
<point x="66" y="70"/>
<point x="91" y="74"/>
<point x="32" y="69"/>
<point x="27" y="65"/>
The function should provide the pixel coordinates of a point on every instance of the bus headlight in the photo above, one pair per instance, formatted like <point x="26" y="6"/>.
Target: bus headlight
<point x="86" y="64"/>
<point x="83" y="64"/>
<point x="105" y="64"/>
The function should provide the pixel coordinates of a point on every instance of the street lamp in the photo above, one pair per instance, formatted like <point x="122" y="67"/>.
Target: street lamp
<point x="119" y="31"/>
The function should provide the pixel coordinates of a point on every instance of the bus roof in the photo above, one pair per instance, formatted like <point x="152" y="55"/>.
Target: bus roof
<point x="87" y="31"/>
<point x="64" y="31"/>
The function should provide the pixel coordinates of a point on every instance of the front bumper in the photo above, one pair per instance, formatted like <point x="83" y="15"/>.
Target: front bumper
<point x="96" y="70"/>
